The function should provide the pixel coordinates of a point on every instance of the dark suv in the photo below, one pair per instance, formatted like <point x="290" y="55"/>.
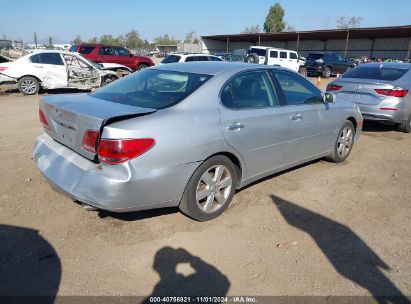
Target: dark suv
<point x="327" y="64"/>
<point x="113" y="54"/>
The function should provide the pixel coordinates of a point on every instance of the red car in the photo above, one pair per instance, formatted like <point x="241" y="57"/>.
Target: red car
<point x="113" y="54"/>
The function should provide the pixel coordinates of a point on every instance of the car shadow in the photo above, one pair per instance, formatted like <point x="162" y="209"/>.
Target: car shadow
<point x="347" y="252"/>
<point x="373" y="126"/>
<point x="30" y="269"/>
<point x="137" y="215"/>
<point x="205" y="280"/>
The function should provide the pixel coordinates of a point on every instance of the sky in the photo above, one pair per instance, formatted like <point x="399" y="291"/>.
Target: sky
<point x="64" y="20"/>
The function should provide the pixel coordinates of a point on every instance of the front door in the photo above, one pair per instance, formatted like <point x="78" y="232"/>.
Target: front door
<point x="312" y="122"/>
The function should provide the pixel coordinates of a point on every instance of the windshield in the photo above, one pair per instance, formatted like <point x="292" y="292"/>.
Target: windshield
<point x="381" y="73"/>
<point x="171" y="59"/>
<point x="315" y="56"/>
<point x="154" y="89"/>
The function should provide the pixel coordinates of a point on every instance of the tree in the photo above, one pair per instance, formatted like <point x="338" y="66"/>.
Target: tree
<point x="165" y="40"/>
<point x="274" y="22"/>
<point x="4" y="37"/>
<point x="35" y="39"/>
<point x="77" y="40"/>
<point x="345" y="23"/>
<point x="108" y="39"/>
<point x="50" y="42"/>
<point x="190" y="37"/>
<point x="252" y="30"/>
<point x="133" y="40"/>
<point x="93" y="40"/>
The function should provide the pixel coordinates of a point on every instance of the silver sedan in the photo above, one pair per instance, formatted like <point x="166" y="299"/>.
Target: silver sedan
<point x="381" y="90"/>
<point x="188" y="135"/>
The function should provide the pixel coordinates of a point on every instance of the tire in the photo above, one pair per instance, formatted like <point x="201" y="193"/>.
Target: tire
<point x="340" y="154"/>
<point x="142" y="67"/>
<point x="405" y="126"/>
<point x="252" y="58"/>
<point x="28" y="85"/>
<point x="302" y="71"/>
<point x="199" y="199"/>
<point x="327" y="72"/>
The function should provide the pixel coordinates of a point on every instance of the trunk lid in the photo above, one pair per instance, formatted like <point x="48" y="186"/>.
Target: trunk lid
<point x="70" y="116"/>
<point x="362" y="91"/>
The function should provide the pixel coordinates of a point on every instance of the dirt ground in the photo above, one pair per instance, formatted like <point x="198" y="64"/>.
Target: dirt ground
<point x="320" y="229"/>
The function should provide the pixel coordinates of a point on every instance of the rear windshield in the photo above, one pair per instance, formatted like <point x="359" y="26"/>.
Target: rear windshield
<point x="315" y="56"/>
<point x="171" y="59"/>
<point x="154" y="89"/>
<point x="86" y="49"/>
<point x="259" y="52"/>
<point x="381" y="73"/>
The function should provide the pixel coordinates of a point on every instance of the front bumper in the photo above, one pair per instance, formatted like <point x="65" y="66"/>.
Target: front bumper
<point x="117" y="188"/>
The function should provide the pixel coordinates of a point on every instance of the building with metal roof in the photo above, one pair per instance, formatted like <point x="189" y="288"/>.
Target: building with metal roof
<point x="379" y="42"/>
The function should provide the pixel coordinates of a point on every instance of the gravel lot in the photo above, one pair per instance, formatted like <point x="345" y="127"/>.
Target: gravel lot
<point x="320" y="229"/>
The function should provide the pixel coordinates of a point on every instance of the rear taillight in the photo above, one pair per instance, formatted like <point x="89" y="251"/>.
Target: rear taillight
<point x="333" y="87"/>
<point x="43" y="120"/>
<point x="2" y="68"/>
<point x="397" y="92"/>
<point x="115" y="151"/>
<point x="90" y="140"/>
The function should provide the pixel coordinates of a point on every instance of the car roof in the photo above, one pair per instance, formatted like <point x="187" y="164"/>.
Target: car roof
<point x="398" y="65"/>
<point x="210" y="67"/>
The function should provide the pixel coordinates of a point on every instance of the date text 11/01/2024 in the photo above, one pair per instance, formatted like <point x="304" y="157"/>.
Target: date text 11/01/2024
<point x="202" y="299"/>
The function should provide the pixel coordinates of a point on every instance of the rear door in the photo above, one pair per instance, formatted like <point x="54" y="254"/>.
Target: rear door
<point x="312" y="123"/>
<point x="50" y="69"/>
<point x="106" y="54"/>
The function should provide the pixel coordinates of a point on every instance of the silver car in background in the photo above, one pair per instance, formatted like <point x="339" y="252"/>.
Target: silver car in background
<point x="381" y="90"/>
<point x="188" y="135"/>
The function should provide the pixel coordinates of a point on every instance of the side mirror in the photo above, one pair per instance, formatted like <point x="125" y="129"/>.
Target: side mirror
<point x="130" y="55"/>
<point x="328" y="98"/>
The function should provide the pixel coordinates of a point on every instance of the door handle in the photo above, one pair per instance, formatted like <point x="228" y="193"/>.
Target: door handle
<point x="235" y="126"/>
<point x="296" y="117"/>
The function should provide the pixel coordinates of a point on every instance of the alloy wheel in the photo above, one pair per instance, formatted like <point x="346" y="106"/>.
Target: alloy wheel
<point x="345" y="140"/>
<point x="28" y="86"/>
<point x="214" y="188"/>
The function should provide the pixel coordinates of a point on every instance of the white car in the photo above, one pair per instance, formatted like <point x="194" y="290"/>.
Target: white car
<point x="274" y="56"/>
<point x="54" y="70"/>
<point x="189" y="57"/>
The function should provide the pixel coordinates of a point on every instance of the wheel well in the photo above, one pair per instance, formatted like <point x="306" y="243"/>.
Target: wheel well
<point x="236" y="163"/>
<point x="354" y="122"/>
<point x="29" y="76"/>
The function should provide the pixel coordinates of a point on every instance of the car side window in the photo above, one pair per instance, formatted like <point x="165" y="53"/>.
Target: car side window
<point x="296" y="90"/>
<point x="119" y="51"/>
<point x="202" y="58"/>
<point x="283" y="54"/>
<point x="74" y="62"/>
<point x="250" y="90"/>
<point x="293" y="55"/>
<point x="106" y="50"/>
<point x="211" y="58"/>
<point x="47" y="58"/>
<point x="273" y="54"/>
<point x="227" y="97"/>
<point x="190" y="59"/>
